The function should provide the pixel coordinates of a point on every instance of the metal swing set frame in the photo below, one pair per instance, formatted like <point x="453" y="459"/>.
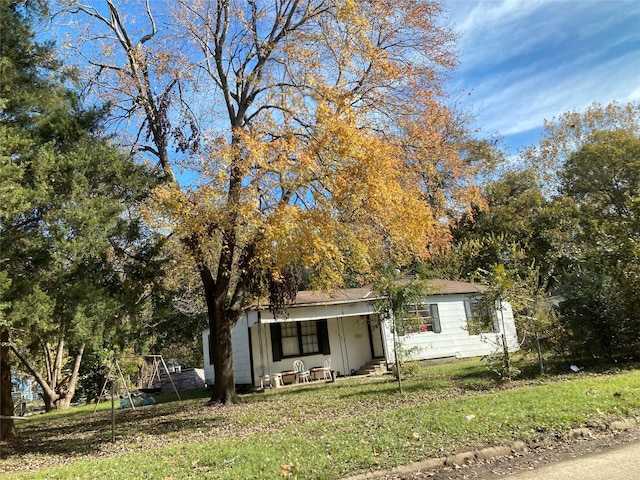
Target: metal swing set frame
<point x="145" y="382"/>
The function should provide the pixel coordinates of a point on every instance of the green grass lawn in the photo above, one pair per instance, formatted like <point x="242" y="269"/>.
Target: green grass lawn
<point x="319" y="432"/>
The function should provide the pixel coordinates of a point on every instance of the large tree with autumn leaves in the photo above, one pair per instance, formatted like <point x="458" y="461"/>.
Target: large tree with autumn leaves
<point x="308" y="133"/>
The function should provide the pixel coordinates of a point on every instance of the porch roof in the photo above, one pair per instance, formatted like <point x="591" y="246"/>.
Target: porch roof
<point x="316" y="305"/>
<point x="344" y="295"/>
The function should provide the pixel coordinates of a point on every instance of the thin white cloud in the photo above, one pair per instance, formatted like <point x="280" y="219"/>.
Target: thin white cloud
<point x="490" y="25"/>
<point x="488" y="13"/>
<point x="524" y="103"/>
<point x="526" y="61"/>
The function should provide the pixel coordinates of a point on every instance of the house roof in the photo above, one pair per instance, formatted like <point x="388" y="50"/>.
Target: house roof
<point x="450" y="287"/>
<point x="363" y="294"/>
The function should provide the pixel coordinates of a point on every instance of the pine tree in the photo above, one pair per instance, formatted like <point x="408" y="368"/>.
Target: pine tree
<point x="72" y="245"/>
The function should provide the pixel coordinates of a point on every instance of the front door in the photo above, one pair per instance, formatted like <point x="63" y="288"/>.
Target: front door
<point x="375" y="338"/>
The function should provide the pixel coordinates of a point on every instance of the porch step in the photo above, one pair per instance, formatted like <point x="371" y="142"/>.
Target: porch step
<point x="375" y="366"/>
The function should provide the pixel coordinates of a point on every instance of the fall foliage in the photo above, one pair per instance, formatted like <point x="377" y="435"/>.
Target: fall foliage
<point x="567" y="133"/>
<point x="310" y="133"/>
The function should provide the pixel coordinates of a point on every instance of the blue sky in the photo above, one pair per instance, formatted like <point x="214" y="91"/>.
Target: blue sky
<point x="523" y="61"/>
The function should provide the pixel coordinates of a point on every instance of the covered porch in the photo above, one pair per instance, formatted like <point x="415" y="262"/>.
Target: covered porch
<point x="333" y="335"/>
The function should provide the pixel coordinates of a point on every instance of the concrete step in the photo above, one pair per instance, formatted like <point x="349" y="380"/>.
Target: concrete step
<point x="375" y="366"/>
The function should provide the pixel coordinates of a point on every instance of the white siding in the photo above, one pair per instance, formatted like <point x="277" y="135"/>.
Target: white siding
<point x="352" y="348"/>
<point x="241" y="357"/>
<point x="348" y="341"/>
<point x="454" y="339"/>
<point x="208" y="368"/>
<point x="349" y="338"/>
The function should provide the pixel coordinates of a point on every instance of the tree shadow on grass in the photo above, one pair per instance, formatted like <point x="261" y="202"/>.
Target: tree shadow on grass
<point x="434" y="389"/>
<point x="84" y="433"/>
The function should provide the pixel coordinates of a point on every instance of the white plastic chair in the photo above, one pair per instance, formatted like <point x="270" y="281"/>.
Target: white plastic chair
<point x="302" y="374"/>
<point x="326" y="369"/>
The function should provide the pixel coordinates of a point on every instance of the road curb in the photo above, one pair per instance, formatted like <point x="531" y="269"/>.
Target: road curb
<point x="518" y="446"/>
<point x="490" y="453"/>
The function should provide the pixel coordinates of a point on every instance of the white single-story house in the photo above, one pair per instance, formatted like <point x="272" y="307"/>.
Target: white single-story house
<point x="345" y="327"/>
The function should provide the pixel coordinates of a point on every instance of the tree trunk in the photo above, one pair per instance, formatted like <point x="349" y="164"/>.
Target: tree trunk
<point x="220" y="328"/>
<point x="60" y="396"/>
<point x="56" y="374"/>
<point x="48" y="398"/>
<point x="64" y="402"/>
<point x="73" y="380"/>
<point x="7" y="428"/>
<point x="55" y="395"/>
<point x="224" y="388"/>
<point x="49" y="395"/>
<point x="505" y="344"/>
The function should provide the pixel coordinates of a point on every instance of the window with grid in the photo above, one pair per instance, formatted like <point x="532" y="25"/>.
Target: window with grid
<point x="424" y="318"/>
<point x="290" y="345"/>
<point x="480" y="320"/>
<point x="296" y="339"/>
<point x="309" y="337"/>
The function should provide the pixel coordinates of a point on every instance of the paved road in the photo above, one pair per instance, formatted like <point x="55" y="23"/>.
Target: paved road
<point x="620" y="463"/>
<point x="603" y="455"/>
